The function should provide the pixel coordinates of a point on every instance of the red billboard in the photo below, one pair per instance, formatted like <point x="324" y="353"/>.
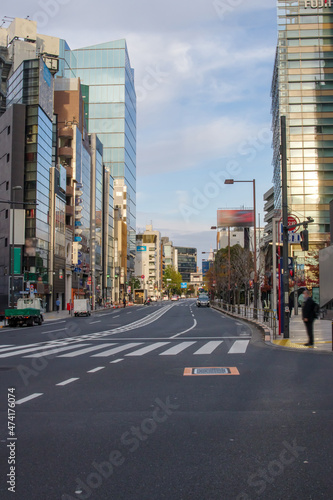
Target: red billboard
<point x="235" y="218"/>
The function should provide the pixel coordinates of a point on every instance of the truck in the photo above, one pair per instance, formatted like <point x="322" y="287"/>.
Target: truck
<point x="82" y="307"/>
<point x="27" y="312"/>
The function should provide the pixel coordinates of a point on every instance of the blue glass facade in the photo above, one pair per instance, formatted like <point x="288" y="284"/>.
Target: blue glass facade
<point x="111" y="113"/>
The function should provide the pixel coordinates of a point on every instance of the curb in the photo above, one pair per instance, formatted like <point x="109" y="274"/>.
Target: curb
<point x="266" y="335"/>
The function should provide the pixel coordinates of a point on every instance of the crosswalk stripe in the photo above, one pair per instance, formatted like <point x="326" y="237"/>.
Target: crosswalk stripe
<point x="209" y="347"/>
<point x="52" y="351"/>
<point x="84" y="351"/>
<point x="177" y="349"/>
<point x="110" y="352"/>
<point x="147" y="349"/>
<point x="24" y="351"/>
<point x="239" y="347"/>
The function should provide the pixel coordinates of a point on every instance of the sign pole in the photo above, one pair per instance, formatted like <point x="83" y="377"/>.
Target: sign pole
<point x="285" y="227"/>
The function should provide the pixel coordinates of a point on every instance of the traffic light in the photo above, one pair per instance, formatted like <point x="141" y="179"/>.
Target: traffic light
<point x="305" y="240"/>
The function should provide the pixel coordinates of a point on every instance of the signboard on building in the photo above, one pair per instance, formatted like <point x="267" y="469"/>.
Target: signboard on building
<point x="141" y="249"/>
<point x="235" y="218"/>
<point x="316" y="4"/>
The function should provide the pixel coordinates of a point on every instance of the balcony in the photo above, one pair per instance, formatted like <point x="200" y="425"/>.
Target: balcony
<point x="69" y="171"/>
<point x="66" y="152"/>
<point x="69" y="191"/>
<point x="66" y="132"/>
<point x="69" y="210"/>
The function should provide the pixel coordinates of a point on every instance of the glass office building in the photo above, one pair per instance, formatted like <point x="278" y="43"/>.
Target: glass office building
<point x="302" y="90"/>
<point x="32" y="84"/>
<point x="187" y="262"/>
<point x="111" y="113"/>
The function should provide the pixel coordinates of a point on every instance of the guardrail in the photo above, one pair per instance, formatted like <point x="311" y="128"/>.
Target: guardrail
<point x="264" y="316"/>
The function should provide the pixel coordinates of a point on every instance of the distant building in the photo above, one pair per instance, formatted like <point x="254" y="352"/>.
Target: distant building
<point x="148" y="262"/>
<point x="187" y="262"/>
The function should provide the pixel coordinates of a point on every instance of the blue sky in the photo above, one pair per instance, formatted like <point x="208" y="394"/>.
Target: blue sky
<point x="203" y="73"/>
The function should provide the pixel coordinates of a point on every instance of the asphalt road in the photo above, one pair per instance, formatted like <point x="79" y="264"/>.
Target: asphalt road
<point x="115" y="407"/>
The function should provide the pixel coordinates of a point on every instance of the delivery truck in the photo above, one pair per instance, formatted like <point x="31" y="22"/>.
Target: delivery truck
<point x="28" y="312"/>
<point x="82" y="307"/>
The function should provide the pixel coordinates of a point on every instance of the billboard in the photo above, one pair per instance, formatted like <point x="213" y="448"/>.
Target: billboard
<point x="235" y="218"/>
<point x="141" y="249"/>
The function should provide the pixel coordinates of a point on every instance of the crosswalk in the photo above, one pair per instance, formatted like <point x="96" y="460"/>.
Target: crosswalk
<point x="167" y="347"/>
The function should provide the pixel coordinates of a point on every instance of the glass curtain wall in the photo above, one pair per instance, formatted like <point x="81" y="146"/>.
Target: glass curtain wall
<point x="302" y="90"/>
<point x="111" y="113"/>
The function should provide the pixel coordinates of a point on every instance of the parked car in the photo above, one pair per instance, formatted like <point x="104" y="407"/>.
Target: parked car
<point x="175" y="297"/>
<point x="203" y="301"/>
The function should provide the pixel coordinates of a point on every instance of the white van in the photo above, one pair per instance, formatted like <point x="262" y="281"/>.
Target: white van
<point x="82" y="307"/>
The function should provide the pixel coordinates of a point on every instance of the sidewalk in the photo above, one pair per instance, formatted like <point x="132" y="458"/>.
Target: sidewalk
<point x="298" y="336"/>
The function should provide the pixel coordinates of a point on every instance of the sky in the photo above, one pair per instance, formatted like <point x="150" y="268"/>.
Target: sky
<point x="203" y="73"/>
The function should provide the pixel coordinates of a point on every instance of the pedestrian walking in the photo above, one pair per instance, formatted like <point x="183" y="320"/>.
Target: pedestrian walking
<point x="124" y="302"/>
<point x="308" y="315"/>
<point x="266" y="306"/>
<point x="58" y="305"/>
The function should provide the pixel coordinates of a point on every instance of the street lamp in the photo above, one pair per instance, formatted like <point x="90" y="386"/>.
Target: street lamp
<point x="232" y="181"/>
<point x="12" y="260"/>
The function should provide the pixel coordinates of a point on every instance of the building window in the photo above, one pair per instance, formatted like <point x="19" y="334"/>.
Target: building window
<point x="8" y="157"/>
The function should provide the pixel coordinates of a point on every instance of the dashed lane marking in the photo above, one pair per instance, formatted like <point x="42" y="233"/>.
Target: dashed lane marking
<point x="68" y="381"/>
<point x="28" y="398"/>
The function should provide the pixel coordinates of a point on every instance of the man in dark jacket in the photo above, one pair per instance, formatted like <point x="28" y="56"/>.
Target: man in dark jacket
<point x="308" y="315"/>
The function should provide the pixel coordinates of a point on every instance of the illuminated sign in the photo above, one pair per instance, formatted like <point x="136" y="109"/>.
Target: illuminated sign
<point x="317" y="4"/>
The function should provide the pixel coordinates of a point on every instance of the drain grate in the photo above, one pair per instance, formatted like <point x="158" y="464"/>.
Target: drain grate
<point x="211" y="371"/>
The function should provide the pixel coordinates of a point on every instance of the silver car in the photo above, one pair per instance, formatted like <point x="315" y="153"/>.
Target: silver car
<point x="203" y="301"/>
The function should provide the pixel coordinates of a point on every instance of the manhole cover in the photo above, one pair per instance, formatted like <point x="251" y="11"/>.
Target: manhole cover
<point x="211" y="371"/>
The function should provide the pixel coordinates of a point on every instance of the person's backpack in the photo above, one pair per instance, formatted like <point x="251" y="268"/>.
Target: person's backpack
<point x="316" y="310"/>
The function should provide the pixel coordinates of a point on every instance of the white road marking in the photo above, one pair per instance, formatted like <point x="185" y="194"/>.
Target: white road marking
<point x="68" y="381"/>
<point x="110" y="352"/>
<point x="116" y="316"/>
<point x="96" y="369"/>
<point x="117" y="360"/>
<point x="185" y="331"/>
<point x="3" y="346"/>
<point x="83" y="351"/>
<point x="147" y="349"/>
<point x="239" y="347"/>
<point x="177" y="349"/>
<point x="52" y="351"/>
<point x="28" y="398"/>
<point x="53" y="331"/>
<point x="129" y="312"/>
<point x="95" y="322"/>
<point x="24" y="350"/>
<point x="209" y="347"/>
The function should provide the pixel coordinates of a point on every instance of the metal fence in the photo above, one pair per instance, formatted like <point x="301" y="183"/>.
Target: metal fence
<point x="266" y="317"/>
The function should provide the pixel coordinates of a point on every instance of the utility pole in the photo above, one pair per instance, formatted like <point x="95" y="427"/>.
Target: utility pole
<point x="285" y="226"/>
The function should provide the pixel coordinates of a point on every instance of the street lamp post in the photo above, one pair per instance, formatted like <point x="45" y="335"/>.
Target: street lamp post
<point x="255" y="280"/>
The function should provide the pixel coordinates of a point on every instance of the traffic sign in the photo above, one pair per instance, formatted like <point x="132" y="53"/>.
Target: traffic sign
<point x="143" y="277"/>
<point x="293" y="238"/>
<point x="183" y="285"/>
<point x="292" y="223"/>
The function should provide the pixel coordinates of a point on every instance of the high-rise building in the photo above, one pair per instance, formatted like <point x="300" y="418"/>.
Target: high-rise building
<point x="148" y="260"/>
<point x="302" y="91"/>
<point x="110" y="99"/>
<point x="187" y="262"/>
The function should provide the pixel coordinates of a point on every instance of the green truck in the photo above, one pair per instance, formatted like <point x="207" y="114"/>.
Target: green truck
<point x="28" y="312"/>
